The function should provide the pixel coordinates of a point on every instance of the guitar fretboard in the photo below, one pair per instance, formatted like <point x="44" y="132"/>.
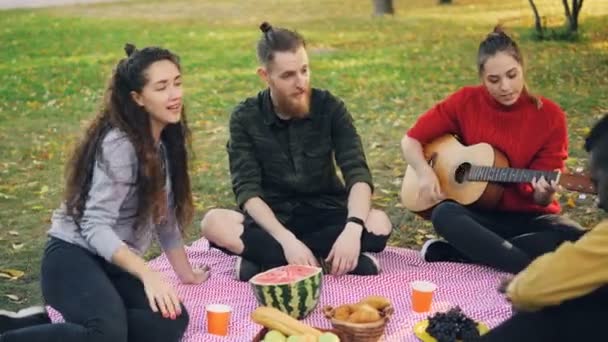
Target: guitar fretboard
<point x="507" y="175"/>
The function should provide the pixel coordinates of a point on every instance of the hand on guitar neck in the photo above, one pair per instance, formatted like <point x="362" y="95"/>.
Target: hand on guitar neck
<point x="544" y="190"/>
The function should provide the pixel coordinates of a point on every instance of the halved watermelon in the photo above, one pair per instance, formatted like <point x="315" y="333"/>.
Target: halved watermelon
<point x="293" y="289"/>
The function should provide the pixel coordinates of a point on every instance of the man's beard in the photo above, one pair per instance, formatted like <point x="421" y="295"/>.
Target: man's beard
<point x="286" y="105"/>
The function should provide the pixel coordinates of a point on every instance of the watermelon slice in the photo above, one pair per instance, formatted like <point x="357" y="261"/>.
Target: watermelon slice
<point x="293" y="289"/>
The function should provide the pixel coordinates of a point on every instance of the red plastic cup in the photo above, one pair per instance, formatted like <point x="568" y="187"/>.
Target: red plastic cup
<point x="218" y="319"/>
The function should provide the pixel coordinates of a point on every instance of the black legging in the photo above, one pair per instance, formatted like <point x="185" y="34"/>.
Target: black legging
<point x="482" y="236"/>
<point x="98" y="300"/>
<point x="580" y="319"/>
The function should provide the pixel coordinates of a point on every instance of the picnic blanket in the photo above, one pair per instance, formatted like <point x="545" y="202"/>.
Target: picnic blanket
<point x="471" y="287"/>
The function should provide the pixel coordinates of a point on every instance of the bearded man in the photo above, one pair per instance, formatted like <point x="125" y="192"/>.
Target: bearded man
<point x="283" y="149"/>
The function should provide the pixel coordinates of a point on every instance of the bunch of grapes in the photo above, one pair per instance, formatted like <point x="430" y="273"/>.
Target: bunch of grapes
<point x="452" y="326"/>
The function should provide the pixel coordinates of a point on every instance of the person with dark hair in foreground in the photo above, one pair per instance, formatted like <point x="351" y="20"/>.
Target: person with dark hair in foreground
<point x="283" y="147"/>
<point x="127" y="182"/>
<point x="530" y="131"/>
<point x="562" y="295"/>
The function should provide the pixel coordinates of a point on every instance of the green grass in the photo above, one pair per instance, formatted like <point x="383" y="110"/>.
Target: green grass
<point x="54" y="64"/>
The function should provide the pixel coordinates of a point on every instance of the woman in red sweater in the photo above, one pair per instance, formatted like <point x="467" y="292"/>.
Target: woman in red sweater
<point x="529" y="130"/>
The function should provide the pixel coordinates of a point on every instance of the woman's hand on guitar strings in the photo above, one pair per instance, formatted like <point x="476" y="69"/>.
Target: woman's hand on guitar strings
<point x="544" y="191"/>
<point x="429" y="187"/>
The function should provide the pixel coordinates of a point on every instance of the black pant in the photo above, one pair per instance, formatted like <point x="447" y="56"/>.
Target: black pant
<point x="482" y="235"/>
<point x="580" y="319"/>
<point x="317" y="228"/>
<point x="98" y="300"/>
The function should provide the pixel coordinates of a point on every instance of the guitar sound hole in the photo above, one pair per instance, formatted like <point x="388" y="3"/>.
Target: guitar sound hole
<point x="462" y="172"/>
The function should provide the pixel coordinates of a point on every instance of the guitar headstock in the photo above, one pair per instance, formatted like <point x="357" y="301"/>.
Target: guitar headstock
<point x="579" y="181"/>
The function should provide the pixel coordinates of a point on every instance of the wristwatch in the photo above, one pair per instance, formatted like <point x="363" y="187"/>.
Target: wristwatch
<point x="356" y="220"/>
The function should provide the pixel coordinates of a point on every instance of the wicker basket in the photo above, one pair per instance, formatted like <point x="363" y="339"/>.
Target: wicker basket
<point x="359" y="332"/>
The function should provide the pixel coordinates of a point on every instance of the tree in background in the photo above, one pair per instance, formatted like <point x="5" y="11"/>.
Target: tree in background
<point x="572" y="14"/>
<point x="572" y="9"/>
<point x="382" y="7"/>
<point x="538" y="26"/>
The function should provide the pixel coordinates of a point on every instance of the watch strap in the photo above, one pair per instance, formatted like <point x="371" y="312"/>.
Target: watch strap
<point x="356" y="220"/>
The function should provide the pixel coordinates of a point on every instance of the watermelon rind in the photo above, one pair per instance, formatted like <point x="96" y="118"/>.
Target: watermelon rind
<point x="297" y="298"/>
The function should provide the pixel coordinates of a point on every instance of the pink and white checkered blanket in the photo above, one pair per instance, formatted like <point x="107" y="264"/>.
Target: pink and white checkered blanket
<point x="473" y="288"/>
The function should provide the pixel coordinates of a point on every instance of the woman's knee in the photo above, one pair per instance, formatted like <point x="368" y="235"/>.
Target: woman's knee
<point x="111" y="329"/>
<point x="180" y="324"/>
<point x="172" y="330"/>
<point x="443" y="214"/>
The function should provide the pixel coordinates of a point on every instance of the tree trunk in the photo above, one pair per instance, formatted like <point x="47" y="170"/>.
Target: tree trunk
<point x="537" y="23"/>
<point x="576" y="10"/>
<point x="382" y="7"/>
<point x="572" y="15"/>
<point x="568" y="13"/>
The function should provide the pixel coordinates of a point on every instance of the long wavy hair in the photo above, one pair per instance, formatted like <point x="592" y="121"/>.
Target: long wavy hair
<point x="120" y="111"/>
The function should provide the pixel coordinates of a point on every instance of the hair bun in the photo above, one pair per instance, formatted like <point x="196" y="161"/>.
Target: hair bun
<point x="498" y="29"/>
<point x="265" y="27"/>
<point x="129" y="49"/>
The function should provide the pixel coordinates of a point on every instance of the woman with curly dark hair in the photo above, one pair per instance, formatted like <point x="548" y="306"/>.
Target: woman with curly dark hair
<point x="127" y="181"/>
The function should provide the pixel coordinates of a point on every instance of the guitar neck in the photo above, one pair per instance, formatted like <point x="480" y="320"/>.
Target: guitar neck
<point x="508" y="175"/>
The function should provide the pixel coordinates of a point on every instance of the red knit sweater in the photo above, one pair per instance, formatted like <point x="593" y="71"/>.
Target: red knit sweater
<point x="531" y="138"/>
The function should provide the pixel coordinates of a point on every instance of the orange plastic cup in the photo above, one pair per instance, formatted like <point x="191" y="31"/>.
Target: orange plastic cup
<point x="218" y="319"/>
<point x="422" y="295"/>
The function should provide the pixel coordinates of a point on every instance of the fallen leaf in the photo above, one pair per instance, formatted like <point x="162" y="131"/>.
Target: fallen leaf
<point x="13" y="233"/>
<point x="17" y="246"/>
<point x="571" y="202"/>
<point x="5" y="196"/>
<point x="44" y="190"/>
<point x="12" y="297"/>
<point x="376" y="145"/>
<point x="11" y="274"/>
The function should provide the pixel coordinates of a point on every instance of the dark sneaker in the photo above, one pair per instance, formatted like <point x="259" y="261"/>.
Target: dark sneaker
<point x="31" y="316"/>
<point x="436" y="250"/>
<point x="246" y="269"/>
<point x="367" y="265"/>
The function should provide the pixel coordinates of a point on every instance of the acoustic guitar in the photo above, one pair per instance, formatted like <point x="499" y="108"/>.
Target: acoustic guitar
<point x="475" y="175"/>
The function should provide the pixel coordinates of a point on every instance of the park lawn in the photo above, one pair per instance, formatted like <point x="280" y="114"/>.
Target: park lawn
<point x="54" y="64"/>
